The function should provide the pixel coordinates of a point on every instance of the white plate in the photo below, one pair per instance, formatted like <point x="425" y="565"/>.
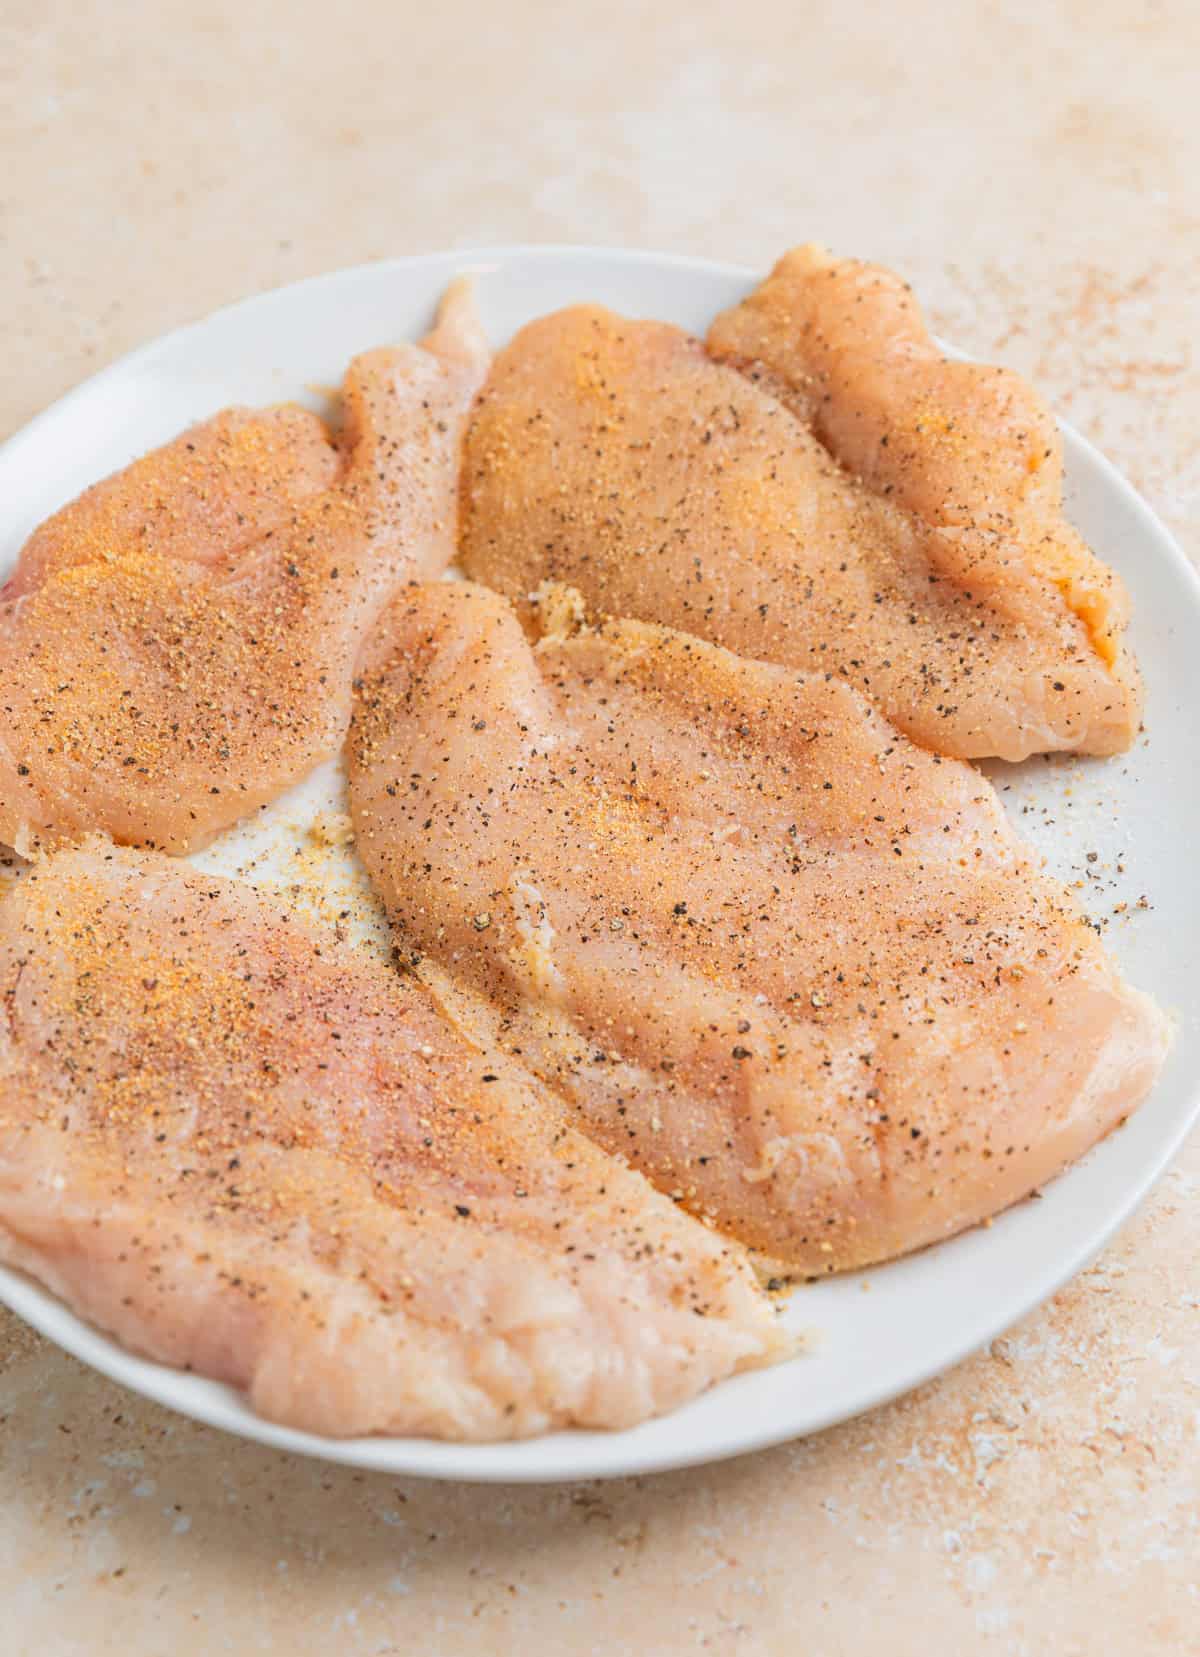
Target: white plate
<point x="922" y="1314"/>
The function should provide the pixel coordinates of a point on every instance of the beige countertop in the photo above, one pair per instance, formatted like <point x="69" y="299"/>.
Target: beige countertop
<point x="1035" y="170"/>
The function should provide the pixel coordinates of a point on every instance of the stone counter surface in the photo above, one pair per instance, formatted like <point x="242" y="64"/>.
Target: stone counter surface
<point x="1035" y="170"/>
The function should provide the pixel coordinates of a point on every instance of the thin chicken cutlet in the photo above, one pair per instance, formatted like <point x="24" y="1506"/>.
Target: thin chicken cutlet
<point x="245" y="1147"/>
<point x="177" y="645"/>
<point x="796" y="969"/>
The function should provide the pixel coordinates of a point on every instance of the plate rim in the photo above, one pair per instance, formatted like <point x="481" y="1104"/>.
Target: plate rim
<point x="501" y="1462"/>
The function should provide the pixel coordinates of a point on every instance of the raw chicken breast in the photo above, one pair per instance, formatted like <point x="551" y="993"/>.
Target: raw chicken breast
<point x="245" y="1147"/>
<point x="796" y="969"/>
<point x="924" y="561"/>
<point x="967" y="448"/>
<point x="176" y="646"/>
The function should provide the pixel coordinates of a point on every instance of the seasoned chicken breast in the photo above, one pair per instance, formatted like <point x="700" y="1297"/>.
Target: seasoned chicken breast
<point x="176" y="646"/>
<point x="798" y="970"/>
<point x="866" y="510"/>
<point x="967" y="448"/>
<point x="247" y="1148"/>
